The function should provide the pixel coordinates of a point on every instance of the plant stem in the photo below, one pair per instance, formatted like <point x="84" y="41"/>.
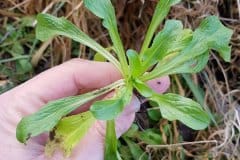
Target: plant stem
<point x="120" y="51"/>
<point x="14" y="59"/>
<point x="110" y="151"/>
<point x="160" y="13"/>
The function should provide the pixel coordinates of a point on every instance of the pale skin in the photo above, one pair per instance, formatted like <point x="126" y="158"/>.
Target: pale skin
<point x="71" y="78"/>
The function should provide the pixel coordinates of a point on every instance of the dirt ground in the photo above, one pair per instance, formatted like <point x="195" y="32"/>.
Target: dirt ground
<point x="219" y="81"/>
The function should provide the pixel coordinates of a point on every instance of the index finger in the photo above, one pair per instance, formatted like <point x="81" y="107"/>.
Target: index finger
<point x="70" y="78"/>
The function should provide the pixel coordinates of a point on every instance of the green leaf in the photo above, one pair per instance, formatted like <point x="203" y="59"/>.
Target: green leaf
<point x="49" y="26"/>
<point x="107" y="109"/>
<point x="162" y="43"/>
<point x="193" y="65"/>
<point x="173" y="2"/>
<point x="167" y="44"/>
<point x="27" y="21"/>
<point x="110" y="151"/>
<point x="104" y="10"/>
<point x="125" y="152"/>
<point x="137" y="152"/>
<point x="132" y="131"/>
<point x="210" y="35"/>
<point x="98" y="57"/>
<point x="176" y="107"/>
<point x="111" y="108"/>
<point x="48" y="116"/>
<point x="160" y="13"/>
<point x="150" y="136"/>
<point x="213" y="35"/>
<point x="69" y="131"/>
<point x="143" y="89"/>
<point x="199" y="95"/>
<point x="22" y="65"/>
<point x="181" y="41"/>
<point x="154" y="114"/>
<point x="134" y="63"/>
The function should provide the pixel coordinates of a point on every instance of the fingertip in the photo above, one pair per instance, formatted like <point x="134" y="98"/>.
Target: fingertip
<point x="126" y="118"/>
<point x="123" y="123"/>
<point x="132" y="107"/>
<point x="159" y="85"/>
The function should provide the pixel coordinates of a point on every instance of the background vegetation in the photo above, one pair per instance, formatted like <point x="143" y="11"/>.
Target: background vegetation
<point x="217" y="87"/>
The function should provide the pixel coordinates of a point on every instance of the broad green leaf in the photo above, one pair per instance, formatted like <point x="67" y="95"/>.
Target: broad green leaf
<point x="154" y="114"/>
<point x="98" y="57"/>
<point x="134" y="63"/>
<point x="105" y="10"/>
<point x="143" y="89"/>
<point x="211" y="34"/>
<point x="27" y="21"/>
<point x="176" y="107"/>
<point x="199" y="95"/>
<point x="49" y="26"/>
<point x="22" y="65"/>
<point x="181" y="42"/>
<point x="48" y="116"/>
<point x="137" y="152"/>
<point x="110" y="151"/>
<point x="17" y="49"/>
<point x="167" y="44"/>
<point x="132" y="131"/>
<point x="160" y="13"/>
<point x="150" y="136"/>
<point x="111" y="108"/>
<point x="125" y="153"/>
<point x="69" y="131"/>
<point x="107" y="109"/>
<point x="162" y="43"/>
<point x="193" y="65"/>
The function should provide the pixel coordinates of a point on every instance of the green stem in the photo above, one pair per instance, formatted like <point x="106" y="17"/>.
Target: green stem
<point x="160" y="13"/>
<point x="110" y="151"/>
<point x="120" y="51"/>
<point x="14" y="59"/>
<point x="109" y="57"/>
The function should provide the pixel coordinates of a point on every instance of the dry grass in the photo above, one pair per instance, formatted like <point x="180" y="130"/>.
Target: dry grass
<point x="221" y="81"/>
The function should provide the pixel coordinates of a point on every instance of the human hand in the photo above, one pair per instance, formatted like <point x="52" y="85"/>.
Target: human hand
<point x="71" y="78"/>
